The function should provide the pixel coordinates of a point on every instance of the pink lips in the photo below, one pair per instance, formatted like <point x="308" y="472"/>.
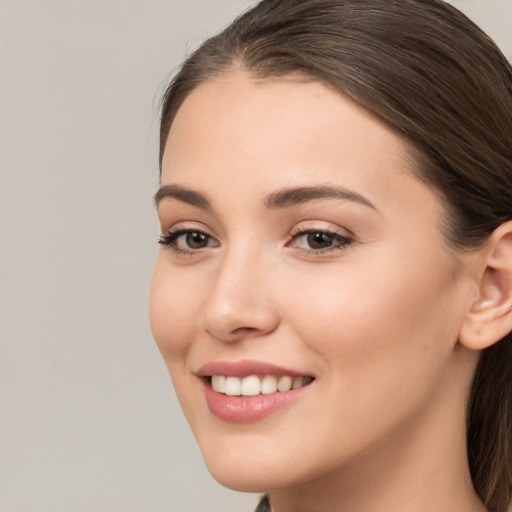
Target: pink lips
<point x="242" y="409"/>
<point x="244" y="369"/>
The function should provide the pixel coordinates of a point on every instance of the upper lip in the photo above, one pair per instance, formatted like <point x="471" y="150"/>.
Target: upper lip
<point x="245" y="368"/>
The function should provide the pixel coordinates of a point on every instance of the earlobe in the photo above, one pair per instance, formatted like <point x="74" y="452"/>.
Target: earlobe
<point x="489" y="318"/>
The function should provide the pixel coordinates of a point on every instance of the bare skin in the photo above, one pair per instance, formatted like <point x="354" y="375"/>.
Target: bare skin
<point x="357" y="289"/>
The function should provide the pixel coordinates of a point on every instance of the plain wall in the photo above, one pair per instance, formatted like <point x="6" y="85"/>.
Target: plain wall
<point x="88" y="418"/>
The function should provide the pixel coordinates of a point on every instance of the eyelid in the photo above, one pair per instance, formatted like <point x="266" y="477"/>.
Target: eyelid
<point x="185" y="226"/>
<point x="168" y="237"/>
<point x="341" y="240"/>
<point x="176" y="225"/>
<point x="326" y="227"/>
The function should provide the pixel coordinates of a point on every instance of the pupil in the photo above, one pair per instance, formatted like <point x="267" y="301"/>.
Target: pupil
<point x="196" y="240"/>
<point x="319" y="240"/>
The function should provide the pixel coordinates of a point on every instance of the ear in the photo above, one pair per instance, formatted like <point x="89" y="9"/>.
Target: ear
<point x="489" y="318"/>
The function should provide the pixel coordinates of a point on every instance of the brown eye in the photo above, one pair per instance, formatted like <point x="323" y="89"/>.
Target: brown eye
<point x="184" y="240"/>
<point x="320" y="240"/>
<point x="196" y="240"/>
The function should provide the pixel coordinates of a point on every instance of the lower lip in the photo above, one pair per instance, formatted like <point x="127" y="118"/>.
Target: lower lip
<point x="249" y="409"/>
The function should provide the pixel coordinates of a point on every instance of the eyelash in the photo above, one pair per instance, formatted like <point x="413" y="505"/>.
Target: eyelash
<point x="170" y="238"/>
<point x="338" y="242"/>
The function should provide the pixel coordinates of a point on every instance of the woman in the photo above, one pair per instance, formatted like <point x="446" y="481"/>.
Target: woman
<point x="333" y="297"/>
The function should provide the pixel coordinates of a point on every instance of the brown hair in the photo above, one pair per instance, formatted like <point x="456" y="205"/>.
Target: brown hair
<point x="435" y="78"/>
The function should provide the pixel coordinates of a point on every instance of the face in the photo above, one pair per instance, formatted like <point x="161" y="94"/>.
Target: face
<point x="298" y="249"/>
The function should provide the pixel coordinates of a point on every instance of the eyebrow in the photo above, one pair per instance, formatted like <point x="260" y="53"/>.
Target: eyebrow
<point x="294" y="196"/>
<point x="182" y="194"/>
<point x="276" y="200"/>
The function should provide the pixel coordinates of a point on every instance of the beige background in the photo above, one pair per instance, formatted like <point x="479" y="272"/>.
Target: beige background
<point x="88" y="419"/>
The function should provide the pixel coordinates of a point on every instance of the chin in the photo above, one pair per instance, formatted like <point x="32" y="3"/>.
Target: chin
<point x="241" y="470"/>
<point x="252" y="479"/>
<point x="257" y="471"/>
<point x="246" y="482"/>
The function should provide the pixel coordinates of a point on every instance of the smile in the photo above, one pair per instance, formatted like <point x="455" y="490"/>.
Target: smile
<point x="254" y="385"/>
<point x="249" y="391"/>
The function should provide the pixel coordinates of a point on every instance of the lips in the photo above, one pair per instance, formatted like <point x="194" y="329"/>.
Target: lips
<point x="245" y="368"/>
<point x="249" y="391"/>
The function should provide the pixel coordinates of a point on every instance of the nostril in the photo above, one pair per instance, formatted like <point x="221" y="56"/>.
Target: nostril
<point x="244" y="330"/>
<point x="235" y="335"/>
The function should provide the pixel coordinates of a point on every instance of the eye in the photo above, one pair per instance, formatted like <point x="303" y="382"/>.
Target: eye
<point x="187" y="240"/>
<point x="319" y="240"/>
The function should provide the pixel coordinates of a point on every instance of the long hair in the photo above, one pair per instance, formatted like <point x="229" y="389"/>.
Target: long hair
<point x="439" y="82"/>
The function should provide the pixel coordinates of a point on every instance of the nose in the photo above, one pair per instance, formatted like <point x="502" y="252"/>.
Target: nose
<point x="241" y="302"/>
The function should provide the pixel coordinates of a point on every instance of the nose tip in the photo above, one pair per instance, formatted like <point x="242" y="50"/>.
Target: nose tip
<point x="238" y="320"/>
<point x="237" y="310"/>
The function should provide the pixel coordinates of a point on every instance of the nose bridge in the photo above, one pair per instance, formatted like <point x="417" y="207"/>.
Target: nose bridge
<point x="239" y="304"/>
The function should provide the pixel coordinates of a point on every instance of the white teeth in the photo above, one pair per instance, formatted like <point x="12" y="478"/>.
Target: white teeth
<point x="252" y="385"/>
<point x="219" y="383"/>
<point x="222" y="383"/>
<point x="268" y="385"/>
<point x="284" y="383"/>
<point x="233" y="386"/>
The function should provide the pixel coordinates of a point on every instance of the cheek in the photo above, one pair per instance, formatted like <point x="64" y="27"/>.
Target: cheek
<point x="384" y="347"/>
<point x="378" y="319"/>
<point x="173" y="310"/>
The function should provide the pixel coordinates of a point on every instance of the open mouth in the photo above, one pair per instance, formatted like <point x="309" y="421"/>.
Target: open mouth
<point x="254" y="385"/>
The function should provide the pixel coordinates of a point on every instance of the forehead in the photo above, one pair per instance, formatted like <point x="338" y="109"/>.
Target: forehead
<point x="278" y="123"/>
<point x="257" y="136"/>
<point x="255" y="100"/>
